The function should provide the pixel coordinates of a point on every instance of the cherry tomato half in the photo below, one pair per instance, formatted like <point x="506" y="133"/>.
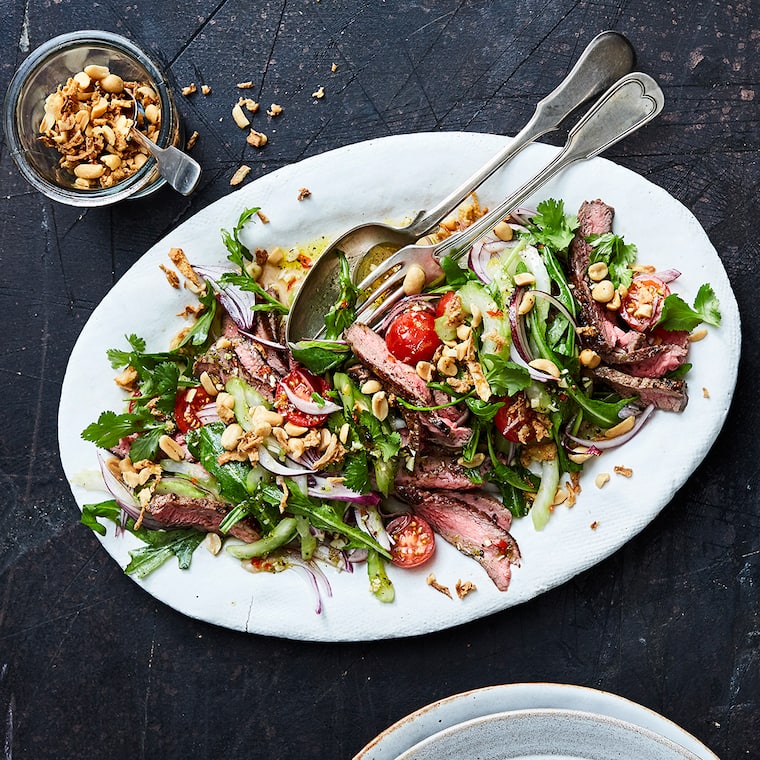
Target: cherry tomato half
<point x="187" y="405"/>
<point x="411" y="337"/>
<point x="515" y="419"/>
<point x="413" y="540"/>
<point x="444" y="301"/>
<point x="642" y="306"/>
<point x="304" y="385"/>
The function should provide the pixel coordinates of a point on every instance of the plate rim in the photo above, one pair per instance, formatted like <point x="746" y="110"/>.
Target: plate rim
<point x="396" y="738"/>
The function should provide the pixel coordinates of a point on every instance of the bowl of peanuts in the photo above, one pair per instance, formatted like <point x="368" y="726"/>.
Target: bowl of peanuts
<point x="69" y="112"/>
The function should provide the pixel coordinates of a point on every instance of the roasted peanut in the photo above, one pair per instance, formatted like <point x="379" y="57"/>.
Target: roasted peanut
<point x="547" y="366"/>
<point x="503" y="231"/>
<point x="524" y="278"/>
<point x="603" y="291"/>
<point x="414" y="280"/>
<point x="598" y="271"/>
<point x="589" y="358"/>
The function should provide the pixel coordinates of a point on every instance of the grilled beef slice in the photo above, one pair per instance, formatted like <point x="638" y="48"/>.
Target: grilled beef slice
<point x="243" y="357"/>
<point x="444" y="425"/>
<point x="433" y="471"/>
<point x="614" y="342"/>
<point x="665" y="393"/>
<point x="174" y="511"/>
<point x="467" y="528"/>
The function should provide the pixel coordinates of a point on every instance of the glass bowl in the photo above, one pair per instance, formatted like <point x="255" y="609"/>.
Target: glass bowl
<point x="48" y="67"/>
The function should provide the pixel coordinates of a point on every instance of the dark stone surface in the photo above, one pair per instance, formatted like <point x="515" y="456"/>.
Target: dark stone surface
<point x="90" y="665"/>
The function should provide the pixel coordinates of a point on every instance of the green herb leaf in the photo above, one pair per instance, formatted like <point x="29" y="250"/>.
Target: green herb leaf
<point x="616" y="254"/>
<point x="163" y="546"/>
<point x="320" y="356"/>
<point x="245" y="282"/>
<point x="505" y="377"/>
<point x="551" y="226"/>
<point x="678" y="315"/>
<point x="111" y="427"/>
<point x="356" y="472"/>
<point x="324" y="516"/>
<point x="238" y="253"/>
<point x="342" y="313"/>
<point x="455" y="275"/>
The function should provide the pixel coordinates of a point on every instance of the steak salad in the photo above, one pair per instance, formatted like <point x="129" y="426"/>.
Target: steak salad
<point x="474" y="402"/>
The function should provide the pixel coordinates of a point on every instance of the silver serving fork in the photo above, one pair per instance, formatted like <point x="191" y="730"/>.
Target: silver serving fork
<point x="629" y="104"/>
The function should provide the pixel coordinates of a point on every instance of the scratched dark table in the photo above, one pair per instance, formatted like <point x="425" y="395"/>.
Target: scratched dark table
<point x="90" y="665"/>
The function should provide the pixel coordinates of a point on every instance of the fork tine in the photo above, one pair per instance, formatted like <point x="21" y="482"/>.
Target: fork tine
<point x="397" y="259"/>
<point x="383" y="288"/>
<point x="379" y="313"/>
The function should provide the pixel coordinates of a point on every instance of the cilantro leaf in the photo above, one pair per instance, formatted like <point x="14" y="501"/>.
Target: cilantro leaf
<point x="616" y="254"/>
<point x="384" y="442"/>
<point x="119" y="358"/>
<point x="552" y="226"/>
<point x="678" y="315"/>
<point x="455" y="275"/>
<point x="111" y="427"/>
<point x="356" y="472"/>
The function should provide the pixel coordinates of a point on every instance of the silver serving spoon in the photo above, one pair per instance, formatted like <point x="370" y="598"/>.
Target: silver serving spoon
<point x="607" y="57"/>
<point x="177" y="168"/>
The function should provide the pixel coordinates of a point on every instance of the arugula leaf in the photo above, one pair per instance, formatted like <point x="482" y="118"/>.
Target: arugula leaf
<point x="505" y="377"/>
<point x="324" y="516"/>
<point x="198" y="333"/>
<point x="246" y="282"/>
<point x="320" y="356"/>
<point x="162" y="546"/>
<point x="205" y="444"/>
<point x="343" y="312"/>
<point x="109" y="509"/>
<point x="238" y="253"/>
<point x="616" y="254"/>
<point x="551" y="226"/>
<point x="678" y="315"/>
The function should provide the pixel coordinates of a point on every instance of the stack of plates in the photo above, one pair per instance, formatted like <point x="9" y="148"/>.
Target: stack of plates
<point x="533" y="722"/>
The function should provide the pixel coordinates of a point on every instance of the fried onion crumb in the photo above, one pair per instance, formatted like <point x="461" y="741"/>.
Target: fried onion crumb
<point x="431" y="581"/>
<point x="463" y="588"/>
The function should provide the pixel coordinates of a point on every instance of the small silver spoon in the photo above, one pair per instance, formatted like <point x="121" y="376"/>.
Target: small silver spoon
<point x="177" y="168"/>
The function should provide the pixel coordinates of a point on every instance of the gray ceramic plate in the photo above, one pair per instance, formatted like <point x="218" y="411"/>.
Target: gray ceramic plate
<point x="544" y="734"/>
<point x="462" y="709"/>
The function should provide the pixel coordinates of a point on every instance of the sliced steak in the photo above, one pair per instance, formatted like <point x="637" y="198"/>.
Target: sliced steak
<point x="602" y="333"/>
<point x="433" y="471"/>
<point x="445" y="426"/>
<point x="489" y="506"/>
<point x="243" y="358"/>
<point x="174" y="511"/>
<point x="468" y="529"/>
<point x="665" y="393"/>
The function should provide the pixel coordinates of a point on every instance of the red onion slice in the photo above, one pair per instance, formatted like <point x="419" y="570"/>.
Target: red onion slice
<point x="308" y="406"/>
<point x="604" y="444"/>
<point x="323" y="488"/>
<point x="268" y="462"/>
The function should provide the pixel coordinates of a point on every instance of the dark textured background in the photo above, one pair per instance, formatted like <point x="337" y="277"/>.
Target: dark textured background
<point x="90" y="665"/>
